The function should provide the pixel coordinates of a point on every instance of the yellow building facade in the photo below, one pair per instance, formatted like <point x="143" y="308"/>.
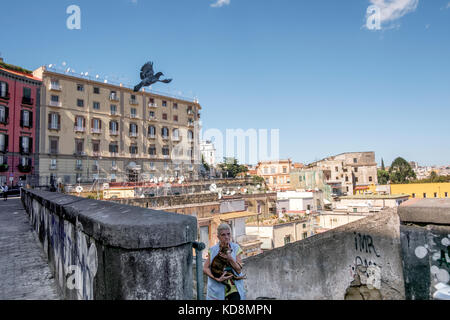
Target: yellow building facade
<point x="422" y="190"/>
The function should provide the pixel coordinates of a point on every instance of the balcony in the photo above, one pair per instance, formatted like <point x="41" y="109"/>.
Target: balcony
<point x="96" y="131"/>
<point x="55" y="87"/>
<point x="113" y="133"/>
<point x="152" y="105"/>
<point x="152" y="118"/>
<point x="24" y="169"/>
<point x="5" y="96"/>
<point x="153" y="156"/>
<point x="79" y="153"/>
<point x="55" y="103"/>
<point x="114" y="113"/>
<point x="190" y="123"/>
<point x="114" y="168"/>
<point x="113" y="97"/>
<point x="134" y="102"/>
<point x="96" y="154"/>
<point x="166" y="156"/>
<point x="176" y="139"/>
<point x="27" y="101"/>
<point x="133" y="134"/>
<point x="151" y="136"/>
<point x="165" y="137"/>
<point x="79" y="129"/>
<point x="133" y="116"/>
<point x="53" y="166"/>
<point x="4" y="167"/>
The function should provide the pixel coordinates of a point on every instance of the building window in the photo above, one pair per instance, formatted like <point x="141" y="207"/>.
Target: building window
<point x="26" y="99"/>
<point x="96" y="105"/>
<point x="133" y="130"/>
<point x="435" y="195"/>
<point x="166" y="166"/>
<point x="96" y="90"/>
<point x="133" y="113"/>
<point x="370" y="179"/>
<point x="96" y="125"/>
<point x="4" y="114"/>
<point x="3" y="142"/>
<point x="25" y="145"/>
<point x="53" y="145"/>
<point x="355" y="160"/>
<point x="80" y="87"/>
<point x="113" y="148"/>
<point x="175" y="105"/>
<point x="446" y="194"/>
<point x="305" y="235"/>
<point x="272" y="170"/>
<point x="346" y="178"/>
<point x="308" y="207"/>
<point x="284" y="170"/>
<point x="4" y="90"/>
<point x="164" y="103"/>
<point x="336" y="168"/>
<point x="356" y="179"/>
<point x="424" y="195"/>
<point x="80" y="102"/>
<point x="54" y="121"/>
<point x="165" y="150"/>
<point x="413" y="195"/>
<point x="80" y="123"/>
<point x="53" y="164"/>
<point x="304" y="226"/>
<point x="176" y="133"/>
<point x="274" y="180"/>
<point x="190" y="135"/>
<point x="26" y="119"/>
<point x="151" y="131"/>
<point x="165" y="133"/>
<point x="114" y="127"/>
<point x="79" y="146"/>
<point x="113" y="109"/>
<point x="175" y="118"/>
<point x="96" y="146"/>
<point x="54" y="98"/>
<point x="287" y="239"/>
<point x="152" y="150"/>
<point x="151" y="114"/>
<point x="164" y="116"/>
<point x="356" y="169"/>
<point x="133" y="149"/>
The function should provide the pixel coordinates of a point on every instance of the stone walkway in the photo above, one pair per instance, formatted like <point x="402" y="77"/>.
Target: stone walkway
<point x="24" y="272"/>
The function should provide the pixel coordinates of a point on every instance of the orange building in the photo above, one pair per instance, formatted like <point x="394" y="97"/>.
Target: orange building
<point x="276" y="173"/>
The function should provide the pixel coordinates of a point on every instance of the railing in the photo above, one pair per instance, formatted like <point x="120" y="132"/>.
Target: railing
<point x="114" y="113"/>
<point x="152" y="105"/>
<point x="27" y="100"/>
<point x="151" y="136"/>
<point x="133" y="134"/>
<point x="134" y="102"/>
<point x="6" y="96"/>
<point x="113" y="97"/>
<point x="55" y="103"/>
<point x="55" y="87"/>
<point x="53" y="167"/>
<point x="4" y="120"/>
<point x="79" y="129"/>
<point x="113" y="132"/>
<point x="176" y="139"/>
<point x="96" y="130"/>
<point x="133" y="116"/>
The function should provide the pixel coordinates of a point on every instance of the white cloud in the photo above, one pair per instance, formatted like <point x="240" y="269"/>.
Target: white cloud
<point x="220" y="3"/>
<point x="392" y="10"/>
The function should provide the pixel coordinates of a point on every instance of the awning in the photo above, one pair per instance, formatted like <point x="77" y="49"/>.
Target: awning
<point x="235" y="215"/>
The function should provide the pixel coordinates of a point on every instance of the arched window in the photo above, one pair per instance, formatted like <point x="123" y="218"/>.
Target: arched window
<point x="165" y="132"/>
<point x="151" y="131"/>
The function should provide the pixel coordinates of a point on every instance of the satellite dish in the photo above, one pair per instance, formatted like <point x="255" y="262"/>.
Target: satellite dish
<point x="182" y="178"/>
<point x="64" y="63"/>
<point x="165" y="179"/>
<point x="233" y="193"/>
<point x="97" y="76"/>
<point x="79" y="189"/>
<point x="172" y="179"/>
<point x="106" y="81"/>
<point x="219" y="195"/>
<point x="50" y="65"/>
<point x="86" y="74"/>
<point x="106" y="186"/>
<point x="213" y="188"/>
<point x="160" y="179"/>
<point x="67" y="70"/>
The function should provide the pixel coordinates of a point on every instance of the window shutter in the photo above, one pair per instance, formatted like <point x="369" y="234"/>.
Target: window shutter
<point x="49" y="120"/>
<point x="110" y="126"/>
<point x="21" y="118"/>
<point x="92" y="123"/>
<point x="30" y="145"/>
<point x="6" y="142"/>
<point x="59" y="121"/>
<point x="30" y="119"/>
<point x="100" y="124"/>
<point x="21" y="145"/>
<point x="84" y="122"/>
<point x="7" y="114"/>
<point x="137" y="128"/>
<point x="30" y="162"/>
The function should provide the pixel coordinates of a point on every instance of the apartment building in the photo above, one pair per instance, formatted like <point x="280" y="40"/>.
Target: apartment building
<point x="19" y="100"/>
<point x="348" y="172"/>
<point x="93" y="130"/>
<point x="276" y="173"/>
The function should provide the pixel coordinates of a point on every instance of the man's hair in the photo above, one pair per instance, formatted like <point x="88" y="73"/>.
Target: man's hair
<point x="223" y="226"/>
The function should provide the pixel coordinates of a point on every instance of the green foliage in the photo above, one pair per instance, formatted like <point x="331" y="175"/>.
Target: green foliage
<point x="382" y="165"/>
<point x="434" y="178"/>
<point x="231" y="168"/>
<point x="383" y="176"/>
<point x="400" y="171"/>
<point x="205" y="165"/>
<point x="14" y="68"/>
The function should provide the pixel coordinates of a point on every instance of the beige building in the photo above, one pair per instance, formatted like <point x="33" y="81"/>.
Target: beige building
<point x="347" y="172"/>
<point x="276" y="173"/>
<point x="90" y="129"/>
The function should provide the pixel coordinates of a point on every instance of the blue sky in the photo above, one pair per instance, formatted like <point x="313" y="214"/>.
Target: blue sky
<point x="309" y="68"/>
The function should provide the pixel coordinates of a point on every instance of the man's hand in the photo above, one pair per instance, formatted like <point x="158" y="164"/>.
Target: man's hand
<point x="224" y="277"/>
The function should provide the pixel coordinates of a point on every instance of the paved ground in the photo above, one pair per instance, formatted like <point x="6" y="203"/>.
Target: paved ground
<point x="24" y="272"/>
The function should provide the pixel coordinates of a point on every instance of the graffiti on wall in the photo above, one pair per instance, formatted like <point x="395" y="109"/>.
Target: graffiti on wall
<point x="74" y="253"/>
<point x="438" y="252"/>
<point x="365" y="266"/>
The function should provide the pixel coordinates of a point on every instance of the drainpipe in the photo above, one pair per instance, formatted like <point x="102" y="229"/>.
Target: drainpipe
<point x="199" y="247"/>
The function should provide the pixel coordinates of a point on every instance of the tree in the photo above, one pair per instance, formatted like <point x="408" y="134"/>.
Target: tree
<point x="401" y="171"/>
<point x="383" y="177"/>
<point x="382" y="165"/>
<point x="434" y="177"/>
<point x="231" y="168"/>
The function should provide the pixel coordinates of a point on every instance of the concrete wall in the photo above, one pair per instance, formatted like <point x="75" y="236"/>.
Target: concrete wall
<point x="103" y="250"/>
<point x="425" y="239"/>
<point x="358" y="261"/>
